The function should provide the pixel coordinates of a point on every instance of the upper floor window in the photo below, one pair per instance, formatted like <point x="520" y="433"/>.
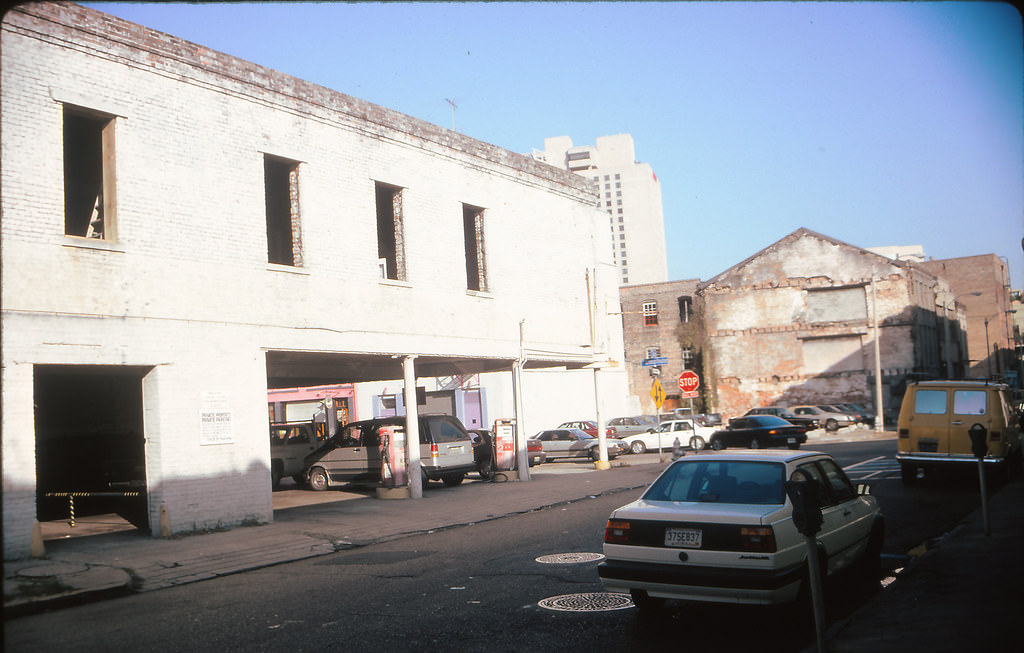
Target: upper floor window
<point x="652" y="352"/>
<point x="89" y="197"/>
<point x="650" y="313"/>
<point x="685" y="308"/>
<point x="281" y="183"/>
<point x="473" y="232"/>
<point x="390" y="232"/>
<point x="687" y="354"/>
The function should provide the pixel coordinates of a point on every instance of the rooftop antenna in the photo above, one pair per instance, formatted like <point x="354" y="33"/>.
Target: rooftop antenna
<point x="454" y="106"/>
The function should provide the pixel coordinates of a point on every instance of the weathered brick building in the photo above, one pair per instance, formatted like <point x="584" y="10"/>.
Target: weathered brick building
<point x="795" y="323"/>
<point x="183" y="230"/>
<point x="982" y="284"/>
<point x="662" y="320"/>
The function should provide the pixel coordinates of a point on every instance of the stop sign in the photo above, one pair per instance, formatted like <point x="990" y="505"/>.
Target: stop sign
<point x="689" y="381"/>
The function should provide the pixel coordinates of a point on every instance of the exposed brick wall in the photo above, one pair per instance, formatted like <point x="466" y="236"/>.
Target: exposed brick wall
<point x="760" y="320"/>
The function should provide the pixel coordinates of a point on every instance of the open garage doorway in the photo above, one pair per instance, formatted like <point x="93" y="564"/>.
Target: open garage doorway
<point x="90" y="449"/>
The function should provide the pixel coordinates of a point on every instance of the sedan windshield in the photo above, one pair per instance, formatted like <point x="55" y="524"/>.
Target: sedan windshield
<point x="726" y="481"/>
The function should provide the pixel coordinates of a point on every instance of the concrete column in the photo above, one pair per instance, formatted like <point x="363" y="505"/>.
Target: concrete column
<point x="522" y="459"/>
<point x="412" y="429"/>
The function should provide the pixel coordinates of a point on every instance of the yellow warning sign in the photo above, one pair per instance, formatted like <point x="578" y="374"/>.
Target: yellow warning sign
<point x="657" y="393"/>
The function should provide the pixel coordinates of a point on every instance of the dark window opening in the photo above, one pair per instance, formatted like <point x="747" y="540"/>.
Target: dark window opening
<point x="88" y="174"/>
<point x="390" y="233"/>
<point x="685" y="309"/>
<point x="282" y="196"/>
<point x="473" y="232"/>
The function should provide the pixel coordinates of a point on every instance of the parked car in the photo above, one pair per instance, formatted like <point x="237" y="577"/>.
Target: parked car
<point x="588" y="426"/>
<point x="535" y="451"/>
<point x="629" y="425"/>
<point x="665" y="435"/>
<point x="354" y="453"/>
<point x="809" y="423"/>
<point x="574" y="443"/>
<point x="826" y="416"/>
<point x="719" y="528"/>
<point x="759" y="432"/>
<point x="290" y="443"/>
<point x="936" y="416"/>
<point x="709" y="419"/>
<point x="859" y="413"/>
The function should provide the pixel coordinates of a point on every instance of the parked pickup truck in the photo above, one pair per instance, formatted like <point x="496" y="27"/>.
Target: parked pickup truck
<point x="354" y="453"/>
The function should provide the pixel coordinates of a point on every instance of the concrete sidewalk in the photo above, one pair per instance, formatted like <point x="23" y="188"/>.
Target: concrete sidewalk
<point x="964" y="594"/>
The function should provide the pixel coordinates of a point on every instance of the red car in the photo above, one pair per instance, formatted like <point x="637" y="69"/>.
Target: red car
<point x="589" y="427"/>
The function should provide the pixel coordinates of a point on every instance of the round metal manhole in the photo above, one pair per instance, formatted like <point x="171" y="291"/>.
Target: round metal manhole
<point x="592" y="602"/>
<point x="569" y="558"/>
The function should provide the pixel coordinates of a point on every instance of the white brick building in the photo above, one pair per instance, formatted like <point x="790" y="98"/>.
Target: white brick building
<point x="182" y="229"/>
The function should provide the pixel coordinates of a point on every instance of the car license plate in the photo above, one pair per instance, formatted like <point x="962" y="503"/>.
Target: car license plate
<point x="791" y="440"/>
<point x="688" y="538"/>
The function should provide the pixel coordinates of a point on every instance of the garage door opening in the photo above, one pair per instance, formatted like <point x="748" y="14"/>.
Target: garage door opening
<point x="90" y="450"/>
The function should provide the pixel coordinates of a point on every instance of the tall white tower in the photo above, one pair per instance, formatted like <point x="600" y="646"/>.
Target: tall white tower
<point x="629" y="192"/>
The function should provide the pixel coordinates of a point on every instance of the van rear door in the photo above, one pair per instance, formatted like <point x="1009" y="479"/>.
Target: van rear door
<point x="929" y="421"/>
<point x="970" y="406"/>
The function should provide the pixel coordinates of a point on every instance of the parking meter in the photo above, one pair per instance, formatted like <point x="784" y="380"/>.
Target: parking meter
<point x="978" y="434"/>
<point x="806" y="498"/>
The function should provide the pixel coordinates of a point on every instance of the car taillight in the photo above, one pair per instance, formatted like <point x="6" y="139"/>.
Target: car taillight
<point x="755" y="538"/>
<point x="433" y="452"/>
<point x="617" y="531"/>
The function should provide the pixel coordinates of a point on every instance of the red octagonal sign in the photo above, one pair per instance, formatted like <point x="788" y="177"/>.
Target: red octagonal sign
<point x="689" y="381"/>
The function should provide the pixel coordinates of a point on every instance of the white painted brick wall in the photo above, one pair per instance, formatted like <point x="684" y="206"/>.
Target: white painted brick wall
<point x="187" y="290"/>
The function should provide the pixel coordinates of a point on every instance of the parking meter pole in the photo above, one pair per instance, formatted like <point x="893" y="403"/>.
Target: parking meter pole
<point x="979" y="447"/>
<point x="984" y="498"/>
<point x="817" y="597"/>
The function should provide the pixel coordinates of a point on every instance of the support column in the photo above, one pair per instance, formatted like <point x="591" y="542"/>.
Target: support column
<point x="522" y="458"/>
<point x="412" y="429"/>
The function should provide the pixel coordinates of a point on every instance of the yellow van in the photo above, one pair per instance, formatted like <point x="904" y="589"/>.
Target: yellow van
<point x="936" y="416"/>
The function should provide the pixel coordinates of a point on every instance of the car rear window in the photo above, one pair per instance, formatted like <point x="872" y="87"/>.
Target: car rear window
<point x="930" y="402"/>
<point x="969" y="402"/>
<point x="746" y="482"/>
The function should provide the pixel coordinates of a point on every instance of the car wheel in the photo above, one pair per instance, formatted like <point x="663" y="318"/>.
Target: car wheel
<point x="451" y="480"/>
<point x="908" y="473"/>
<point x="318" y="479"/>
<point x="717" y="444"/>
<point x="697" y="443"/>
<point x="645" y="603"/>
<point x="831" y="425"/>
<point x="595" y="455"/>
<point x="638" y="447"/>
<point x="486" y="470"/>
<point x="755" y="443"/>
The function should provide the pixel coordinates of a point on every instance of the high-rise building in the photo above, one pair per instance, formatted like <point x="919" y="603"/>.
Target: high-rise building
<point x="629" y="192"/>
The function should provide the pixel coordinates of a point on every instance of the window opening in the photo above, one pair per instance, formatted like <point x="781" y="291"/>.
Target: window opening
<point x="281" y="183"/>
<point x="89" y="207"/>
<point x="473" y="232"/>
<point x="685" y="308"/>
<point x="650" y="314"/>
<point x="390" y="232"/>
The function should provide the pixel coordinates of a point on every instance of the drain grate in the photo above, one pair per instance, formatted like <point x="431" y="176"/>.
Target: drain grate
<point x="591" y="602"/>
<point x="569" y="558"/>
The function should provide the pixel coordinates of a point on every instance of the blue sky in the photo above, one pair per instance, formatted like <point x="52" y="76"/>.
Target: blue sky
<point x="875" y="123"/>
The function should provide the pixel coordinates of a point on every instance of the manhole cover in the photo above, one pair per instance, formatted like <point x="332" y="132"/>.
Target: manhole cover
<point x="569" y="558"/>
<point x="593" y="602"/>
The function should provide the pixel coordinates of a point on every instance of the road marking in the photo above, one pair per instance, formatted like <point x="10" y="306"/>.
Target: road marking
<point x="876" y="469"/>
